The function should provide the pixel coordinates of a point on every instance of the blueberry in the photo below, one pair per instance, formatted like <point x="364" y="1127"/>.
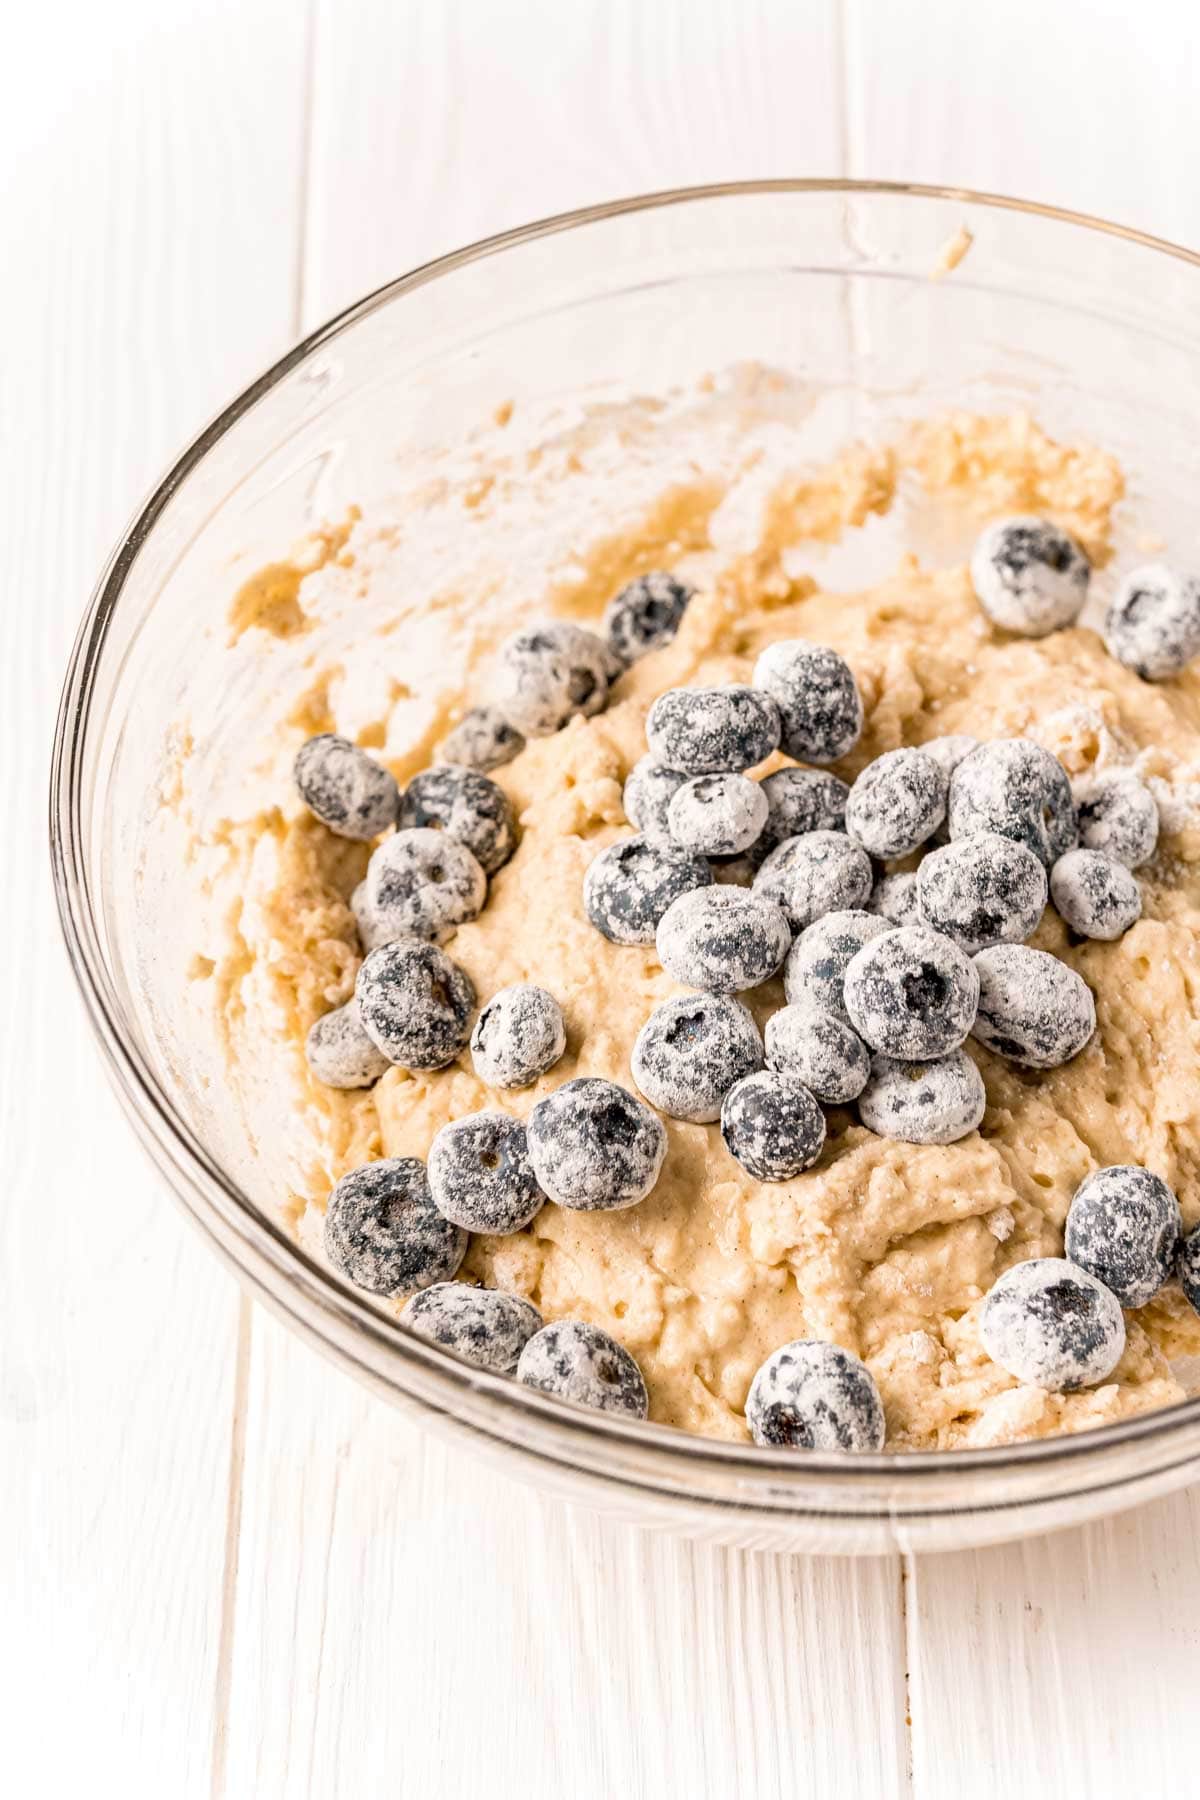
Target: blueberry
<point x="982" y="890"/>
<point x="1018" y="789"/>
<point x="480" y="1175"/>
<point x="707" y="731"/>
<point x="816" y="968"/>
<point x="897" y="899"/>
<point x="1153" y="624"/>
<point x="345" y="788"/>
<point x="897" y="802"/>
<point x="579" y="1362"/>
<point x="372" y="932"/>
<point x="799" y="801"/>
<point x="722" y="939"/>
<point x="415" y="1003"/>
<point x="1124" y="1228"/>
<point x="594" y="1146"/>
<point x="947" y="753"/>
<point x="645" y="615"/>
<point x="814" y="1396"/>
<point x="1052" y="1325"/>
<point x="923" y="1102"/>
<point x="912" y="994"/>
<point x="482" y="1325"/>
<point x="690" y="1052"/>
<point x="468" y="807"/>
<point x="1095" y="896"/>
<point x="818" y="873"/>
<point x="339" y="1052"/>
<point x="547" y="675"/>
<point x="822" y="1051"/>
<point x="421" y="883"/>
<point x="818" y="699"/>
<point x="483" y="739"/>
<point x="383" y="1232"/>
<point x="1118" y="815"/>
<point x="1033" y="1009"/>
<point x="1189" y="1267"/>
<point x="717" y="815"/>
<point x="630" y="886"/>
<point x="772" y="1125"/>
<point x="1029" y="576"/>
<point x="519" y="1035"/>
<point x="649" y="789"/>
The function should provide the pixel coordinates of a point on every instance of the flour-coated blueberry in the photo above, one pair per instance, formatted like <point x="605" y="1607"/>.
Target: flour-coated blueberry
<point x="722" y="939"/>
<point x="799" y="801"/>
<point x="482" y="1325"/>
<point x="548" y="674"/>
<point x="579" y="1362"/>
<point x="1118" y="815"/>
<point x="818" y="873"/>
<point x="1124" y="1228"/>
<point x="1015" y="787"/>
<point x="467" y="806"/>
<point x="345" y="788"/>
<point x="422" y="883"/>
<point x="415" y="1003"/>
<point x="383" y="1232"/>
<point x="646" y="614"/>
<point x="897" y="899"/>
<point x="705" y="731"/>
<point x="649" y="789"/>
<point x="897" y="802"/>
<point x="810" y="1395"/>
<point x="690" y="1052"/>
<point x="595" y="1147"/>
<point x="630" y="886"/>
<point x="1029" y="576"/>
<point x="772" y="1125"/>
<point x="339" y="1052"/>
<point x="1153" y="624"/>
<point x="717" y="815"/>
<point x="1052" y="1325"/>
<point x="981" y="890"/>
<point x="483" y="739"/>
<point x="1094" y="895"/>
<point x="480" y="1175"/>
<point x="822" y="1051"/>
<point x="519" y="1035"/>
<point x="912" y="994"/>
<point x="934" y="1102"/>
<point x="820" y="707"/>
<point x="1189" y="1267"/>
<point x="816" y="966"/>
<point x="1033" y="1009"/>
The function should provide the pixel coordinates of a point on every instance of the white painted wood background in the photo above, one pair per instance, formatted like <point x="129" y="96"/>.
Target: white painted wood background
<point x="223" y="1570"/>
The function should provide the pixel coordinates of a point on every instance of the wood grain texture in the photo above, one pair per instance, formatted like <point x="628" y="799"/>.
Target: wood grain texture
<point x="251" y="1579"/>
<point x="401" y="1608"/>
<point x="1087" y="104"/>
<point x="139" y="168"/>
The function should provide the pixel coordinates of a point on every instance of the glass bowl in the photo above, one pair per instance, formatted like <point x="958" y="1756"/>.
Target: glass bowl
<point x="597" y="328"/>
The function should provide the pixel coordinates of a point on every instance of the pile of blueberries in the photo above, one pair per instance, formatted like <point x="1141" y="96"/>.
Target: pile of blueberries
<point x="886" y="974"/>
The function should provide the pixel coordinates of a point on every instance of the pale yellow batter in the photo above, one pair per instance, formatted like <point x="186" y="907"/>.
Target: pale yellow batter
<point x="883" y="1247"/>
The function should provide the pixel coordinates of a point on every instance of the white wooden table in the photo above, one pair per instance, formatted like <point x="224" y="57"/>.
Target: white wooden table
<point x="223" y="1570"/>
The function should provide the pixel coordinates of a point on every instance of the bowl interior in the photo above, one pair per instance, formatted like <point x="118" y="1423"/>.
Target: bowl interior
<point x="508" y="412"/>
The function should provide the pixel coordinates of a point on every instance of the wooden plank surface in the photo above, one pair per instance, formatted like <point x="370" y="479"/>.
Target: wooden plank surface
<point x="251" y="1579"/>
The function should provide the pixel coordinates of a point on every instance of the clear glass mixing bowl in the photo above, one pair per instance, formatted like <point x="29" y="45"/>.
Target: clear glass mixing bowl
<point x="831" y="285"/>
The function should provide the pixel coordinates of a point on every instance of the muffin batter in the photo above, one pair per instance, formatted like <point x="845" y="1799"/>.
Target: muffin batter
<point x="883" y="1248"/>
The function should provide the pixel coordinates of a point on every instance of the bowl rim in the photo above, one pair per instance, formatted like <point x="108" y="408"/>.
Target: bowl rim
<point x="181" y="1153"/>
